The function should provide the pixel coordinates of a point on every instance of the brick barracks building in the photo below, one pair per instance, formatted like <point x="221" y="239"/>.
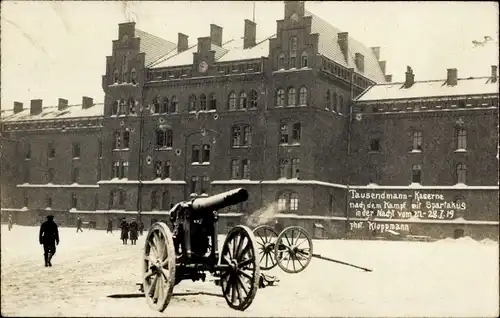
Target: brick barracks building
<point x="305" y="117"/>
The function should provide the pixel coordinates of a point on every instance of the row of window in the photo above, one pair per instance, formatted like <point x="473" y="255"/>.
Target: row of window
<point x="430" y="104"/>
<point x="291" y="97"/>
<point x="460" y="173"/>
<point x="51" y="151"/>
<point x="187" y="72"/>
<point x="75" y="175"/>
<point x="125" y="76"/>
<point x="124" y="107"/>
<point x="334" y="102"/>
<point x="199" y="185"/>
<point x="120" y="170"/>
<point x="460" y="138"/>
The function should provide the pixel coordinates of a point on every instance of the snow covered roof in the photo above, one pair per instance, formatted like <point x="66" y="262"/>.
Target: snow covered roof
<point x="154" y="47"/>
<point x="237" y="52"/>
<point x="328" y="46"/>
<point x="52" y="113"/>
<point x="435" y="88"/>
<point x="186" y="57"/>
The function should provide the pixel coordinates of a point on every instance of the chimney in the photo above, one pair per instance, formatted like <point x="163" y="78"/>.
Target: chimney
<point x="204" y="44"/>
<point x="359" y="59"/>
<point x="36" y="106"/>
<point x="388" y="78"/>
<point x="343" y="40"/>
<point x="182" y="42"/>
<point x="87" y="102"/>
<point x="62" y="104"/>
<point x="296" y="7"/>
<point x="494" y="76"/>
<point x="382" y="66"/>
<point x="18" y="107"/>
<point x="250" y="34"/>
<point x="376" y="52"/>
<point x="216" y="34"/>
<point x="410" y="78"/>
<point x="451" y="78"/>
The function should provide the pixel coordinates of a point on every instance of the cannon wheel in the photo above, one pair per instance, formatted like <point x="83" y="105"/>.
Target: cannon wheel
<point x="241" y="281"/>
<point x="266" y="238"/>
<point x="293" y="245"/>
<point x="159" y="266"/>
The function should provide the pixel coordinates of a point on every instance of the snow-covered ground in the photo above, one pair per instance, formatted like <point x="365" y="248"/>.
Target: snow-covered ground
<point x="444" y="278"/>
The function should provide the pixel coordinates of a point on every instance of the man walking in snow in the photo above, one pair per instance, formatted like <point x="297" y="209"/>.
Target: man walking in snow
<point x="79" y="225"/>
<point x="49" y="238"/>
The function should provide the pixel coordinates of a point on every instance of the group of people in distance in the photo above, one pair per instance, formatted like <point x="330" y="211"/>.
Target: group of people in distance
<point x="133" y="228"/>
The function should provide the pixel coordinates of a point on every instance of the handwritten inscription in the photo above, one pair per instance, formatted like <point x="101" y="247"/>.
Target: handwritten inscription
<point x="380" y="227"/>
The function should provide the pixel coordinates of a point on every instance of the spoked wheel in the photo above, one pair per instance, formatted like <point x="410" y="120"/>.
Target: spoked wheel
<point x="294" y="249"/>
<point x="159" y="266"/>
<point x="241" y="280"/>
<point x="265" y="237"/>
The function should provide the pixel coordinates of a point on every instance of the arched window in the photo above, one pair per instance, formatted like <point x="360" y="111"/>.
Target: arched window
<point x="280" y="97"/>
<point x="335" y="101"/>
<point x="303" y="96"/>
<point x="243" y="100"/>
<point x="131" y="105"/>
<point x="203" y="102"/>
<point x="205" y="155"/>
<point x="192" y="103"/>
<point x="156" y="105"/>
<point x="116" y="76"/>
<point x="164" y="106"/>
<point x="253" y="99"/>
<point x="121" y="107"/>
<point x="232" y="101"/>
<point x="235" y="136"/>
<point x="133" y="76"/>
<point x="281" y="61"/>
<point x="114" y="108"/>
<point x="173" y="104"/>
<point x="461" y="138"/>
<point x="247" y="136"/>
<point x="213" y="102"/>
<point x="292" y="97"/>
<point x="327" y="99"/>
<point x="461" y="173"/>
<point x="293" y="44"/>
<point x="303" y="60"/>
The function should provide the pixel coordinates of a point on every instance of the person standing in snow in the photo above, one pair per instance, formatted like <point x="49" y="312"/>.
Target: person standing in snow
<point x="109" y="229"/>
<point x="79" y="225"/>
<point x="124" y="233"/>
<point x="134" y="228"/>
<point x="10" y="222"/>
<point x="49" y="238"/>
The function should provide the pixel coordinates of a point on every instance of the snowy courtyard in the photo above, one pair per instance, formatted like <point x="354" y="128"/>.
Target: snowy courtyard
<point x="444" y="278"/>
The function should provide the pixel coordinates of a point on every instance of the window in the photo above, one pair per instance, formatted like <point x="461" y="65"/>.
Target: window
<point x="121" y="107"/>
<point x="284" y="165"/>
<point x="51" y="150"/>
<point x="154" y="200"/>
<point x="96" y="202"/>
<point x="461" y="137"/>
<point x="417" y="140"/>
<point x="48" y="202"/>
<point x="303" y="58"/>
<point x="126" y="139"/>
<point x="375" y="144"/>
<point x="164" y="105"/>
<point x="124" y="170"/>
<point x="194" y="184"/>
<point x="243" y="100"/>
<point x="235" y="169"/>
<point x="280" y="97"/>
<point x="99" y="148"/>
<point x="281" y="61"/>
<point x="288" y="202"/>
<point x="247" y="136"/>
<point x="27" y="154"/>
<point x="164" y="138"/>
<point x="292" y="97"/>
<point x="284" y="134"/>
<point x="294" y="202"/>
<point x="116" y="170"/>
<point x="293" y="61"/>
<point x="253" y="99"/>
<point x="341" y="104"/>
<point x="335" y="101"/>
<point x="74" y="175"/>
<point x="192" y="103"/>
<point x="74" y="200"/>
<point x="133" y="76"/>
<point x="416" y="173"/>
<point x="195" y="153"/>
<point x="296" y="132"/>
<point x="205" y="184"/>
<point x="246" y="168"/>
<point x="50" y="175"/>
<point x="295" y="168"/>
<point x="116" y="77"/>
<point x="283" y="202"/>
<point x="26" y="201"/>
<point x="173" y="105"/>
<point x="327" y="99"/>
<point x="232" y="101"/>
<point x="303" y="96"/>
<point x="158" y="169"/>
<point x="236" y="136"/>
<point x="203" y="102"/>
<point x="293" y="44"/>
<point x="121" y="199"/>
<point x="332" y="203"/>
<point x="164" y="200"/>
<point x="461" y="173"/>
<point x="206" y="153"/>
<point x="213" y="102"/>
<point x="116" y="144"/>
<point x="114" y="108"/>
<point x="166" y="169"/>
<point x="156" y="105"/>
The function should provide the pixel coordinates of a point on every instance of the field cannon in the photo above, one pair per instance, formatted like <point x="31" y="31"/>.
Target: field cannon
<point x="291" y="250"/>
<point x="191" y="250"/>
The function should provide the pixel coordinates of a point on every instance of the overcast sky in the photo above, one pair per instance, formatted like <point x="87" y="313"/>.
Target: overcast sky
<point x="58" y="49"/>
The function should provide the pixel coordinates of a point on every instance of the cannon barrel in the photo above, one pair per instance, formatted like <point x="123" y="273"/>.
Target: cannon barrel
<point x="221" y="200"/>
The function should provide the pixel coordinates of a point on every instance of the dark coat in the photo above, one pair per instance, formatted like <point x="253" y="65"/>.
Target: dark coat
<point x="49" y="233"/>
<point x="125" y="227"/>
<point x="134" y="227"/>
